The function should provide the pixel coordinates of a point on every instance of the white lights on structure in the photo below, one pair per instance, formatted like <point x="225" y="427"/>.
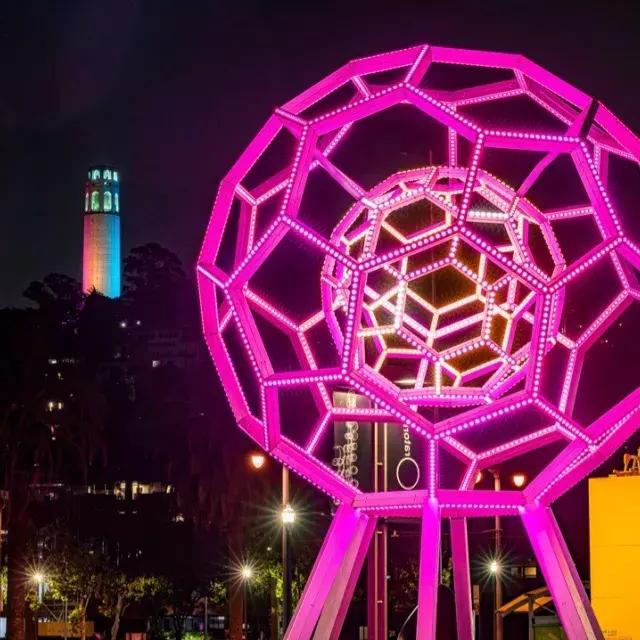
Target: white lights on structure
<point x="246" y="572"/>
<point x="494" y="567"/>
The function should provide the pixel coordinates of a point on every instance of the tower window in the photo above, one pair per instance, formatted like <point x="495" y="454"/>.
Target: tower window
<point x="95" y="201"/>
<point x="96" y="174"/>
<point x="116" y="201"/>
<point x="107" y="200"/>
<point x="107" y="174"/>
<point x="86" y="201"/>
<point x="115" y="176"/>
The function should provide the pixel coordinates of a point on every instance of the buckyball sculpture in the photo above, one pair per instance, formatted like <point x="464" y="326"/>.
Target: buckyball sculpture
<point x="446" y="235"/>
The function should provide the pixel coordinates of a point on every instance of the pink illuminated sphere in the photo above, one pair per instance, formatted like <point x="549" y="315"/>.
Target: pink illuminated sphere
<point x="445" y="238"/>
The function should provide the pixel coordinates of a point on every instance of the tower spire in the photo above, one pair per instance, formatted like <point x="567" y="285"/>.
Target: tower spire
<point x="101" y="248"/>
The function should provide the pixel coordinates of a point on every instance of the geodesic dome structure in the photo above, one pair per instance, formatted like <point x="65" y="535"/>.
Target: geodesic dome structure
<point x="448" y="234"/>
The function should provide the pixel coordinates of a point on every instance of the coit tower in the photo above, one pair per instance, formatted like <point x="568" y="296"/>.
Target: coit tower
<point x="101" y="248"/>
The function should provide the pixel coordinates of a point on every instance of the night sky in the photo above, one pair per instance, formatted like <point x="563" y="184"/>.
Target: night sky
<point x="170" y="92"/>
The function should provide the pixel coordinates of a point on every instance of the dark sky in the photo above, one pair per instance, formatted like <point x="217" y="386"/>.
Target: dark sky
<point x="170" y="92"/>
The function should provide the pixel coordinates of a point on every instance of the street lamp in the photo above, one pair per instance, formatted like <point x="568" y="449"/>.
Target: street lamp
<point x="288" y="518"/>
<point x="288" y="515"/>
<point x="38" y="577"/>
<point x="497" y="585"/>
<point x="257" y="460"/>
<point x="246" y="573"/>
<point x="518" y="480"/>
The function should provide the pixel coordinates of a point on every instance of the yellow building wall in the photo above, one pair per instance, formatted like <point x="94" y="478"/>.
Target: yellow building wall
<point x="614" y="521"/>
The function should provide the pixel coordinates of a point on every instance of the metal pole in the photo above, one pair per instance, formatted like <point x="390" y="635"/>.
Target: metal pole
<point x="206" y="616"/>
<point x="377" y="596"/>
<point x="286" y="557"/>
<point x="498" y="623"/>
<point x="244" y="609"/>
<point x="1" y="594"/>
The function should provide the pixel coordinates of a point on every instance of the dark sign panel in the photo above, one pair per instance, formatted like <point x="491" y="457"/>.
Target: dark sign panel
<point x="352" y="450"/>
<point x="405" y="453"/>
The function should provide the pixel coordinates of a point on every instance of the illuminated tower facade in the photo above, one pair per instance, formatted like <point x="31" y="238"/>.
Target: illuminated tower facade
<point x="101" y="248"/>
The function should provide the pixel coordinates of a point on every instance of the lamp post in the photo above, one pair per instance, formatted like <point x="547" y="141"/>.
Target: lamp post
<point x="38" y="578"/>
<point x="206" y="615"/>
<point x="495" y="565"/>
<point x="246" y="573"/>
<point x="257" y="461"/>
<point x="518" y="480"/>
<point x="288" y="516"/>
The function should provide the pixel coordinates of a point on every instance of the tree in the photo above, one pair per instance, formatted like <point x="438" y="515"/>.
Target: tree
<point x="38" y="442"/>
<point x="58" y="294"/>
<point x="155" y="287"/>
<point x="157" y="594"/>
<point x="116" y="591"/>
<point x="183" y="600"/>
<point x="74" y="575"/>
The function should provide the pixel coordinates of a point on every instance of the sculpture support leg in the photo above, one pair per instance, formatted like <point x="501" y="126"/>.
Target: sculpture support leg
<point x="429" y="567"/>
<point x="573" y="606"/>
<point x="377" y="593"/>
<point x="335" y="609"/>
<point x="461" y="578"/>
<point x="334" y="558"/>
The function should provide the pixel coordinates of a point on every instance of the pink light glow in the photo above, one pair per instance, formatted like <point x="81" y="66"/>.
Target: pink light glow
<point x="483" y="349"/>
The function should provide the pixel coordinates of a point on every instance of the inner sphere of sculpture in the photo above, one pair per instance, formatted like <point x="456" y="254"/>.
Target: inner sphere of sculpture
<point x="438" y="240"/>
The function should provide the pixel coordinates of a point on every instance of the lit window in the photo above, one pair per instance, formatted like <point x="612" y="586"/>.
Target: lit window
<point x="107" y="200"/>
<point x="86" y="201"/>
<point x="107" y="174"/>
<point x="155" y="364"/>
<point x="115" y="176"/>
<point x="116" y="201"/>
<point x="95" y="201"/>
<point x="96" y="174"/>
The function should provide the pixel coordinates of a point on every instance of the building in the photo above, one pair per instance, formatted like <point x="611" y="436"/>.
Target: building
<point x="101" y="247"/>
<point x="614" y="522"/>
